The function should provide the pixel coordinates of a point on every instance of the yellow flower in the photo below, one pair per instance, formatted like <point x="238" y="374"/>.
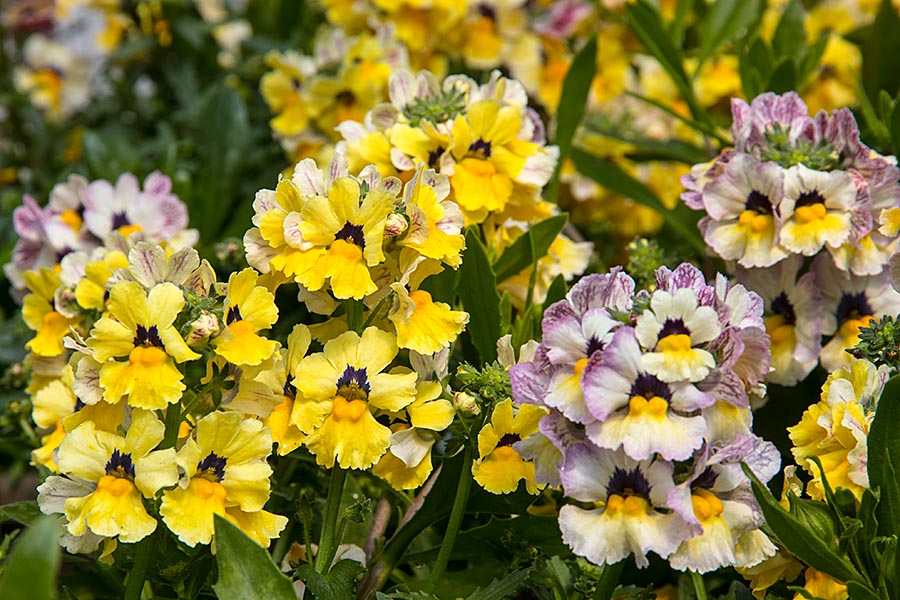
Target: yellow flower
<point x="340" y="390"/>
<point x="284" y="432"/>
<point x="834" y="83"/>
<point x="140" y="327"/>
<point x="125" y="470"/>
<point x="499" y="466"/>
<point x="407" y="464"/>
<point x="248" y="308"/>
<point x="90" y="293"/>
<point x="820" y="585"/>
<point x="422" y="324"/>
<point x="40" y="315"/>
<point x="225" y="473"/>
<point x="352" y="229"/>
<point x="281" y="89"/>
<point x="435" y="223"/>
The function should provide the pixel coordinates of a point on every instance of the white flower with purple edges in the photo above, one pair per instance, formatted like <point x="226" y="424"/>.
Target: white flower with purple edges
<point x="637" y="411"/>
<point x="632" y="517"/>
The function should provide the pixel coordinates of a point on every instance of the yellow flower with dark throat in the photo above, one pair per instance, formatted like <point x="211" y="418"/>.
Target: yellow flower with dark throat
<point x="225" y="473"/>
<point x="140" y="329"/>
<point x="500" y="467"/>
<point x="339" y="393"/>
<point x="41" y="316"/>
<point x="249" y="308"/>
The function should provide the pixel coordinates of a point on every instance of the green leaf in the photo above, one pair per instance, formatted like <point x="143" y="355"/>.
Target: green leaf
<point x="20" y="512"/>
<point x="725" y="20"/>
<point x="881" y="52"/>
<point x="884" y="435"/>
<point x="879" y="129"/>
<point x="783" y="78"/>
<point x="797" y="539"/>
<point x="557" y="291"/>
<point x="519" y="255"/>
<point x="858" y="591"/>
<point x="645" y="22"/>
<point x="245" y="568"/>
<point x="33" y="563"/>
<point x="339" y="583"/>
<point x="811" y="60"/>
<point x="895" y="128"/>
<point x="610" y="176"/>
<point x="477" y="288"/>
<point x="504" y="588"/>
<point x="573" y="99"/>
<point x="789" y="40"/>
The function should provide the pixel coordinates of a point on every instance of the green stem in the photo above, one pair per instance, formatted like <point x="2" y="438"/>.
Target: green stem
<point x="173" y="423"/>
<point x="456" y="516"/>
<point x="609" y="579"/>
<point x="699" y="585"/>
<point x="138" y="574"/>
<point x="328" y="541"/>
<point x="354" y="310"/>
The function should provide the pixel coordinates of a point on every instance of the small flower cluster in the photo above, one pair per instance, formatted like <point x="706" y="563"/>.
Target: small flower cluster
<point x="649" y="410"/>
<point x="344" y="78"/>
<point x="796" y="186"/>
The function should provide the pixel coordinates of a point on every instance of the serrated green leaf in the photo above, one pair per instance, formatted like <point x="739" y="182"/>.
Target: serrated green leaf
<point x="33" y="563"/>
<point x="20" y="512"/>
<point x="504" y="588"/>
<point x="245" y="568"/>
<point x="572" y="101"/>
<point x="725" y="20"/>
<point x="339" y="583"/>
<point x="519" y="254"/>
<point x="610" y="176"/>
<point x="789" y="40"/>
<point x="802" y="543"/>
<point x="644" y="20"/>
<point x="477" y="288"/>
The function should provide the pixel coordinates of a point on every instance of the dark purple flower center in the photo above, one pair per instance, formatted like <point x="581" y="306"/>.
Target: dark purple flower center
<point x="648" y="386"/>
<point x="673" y="327"/>
<point x="482" y="146"/>
<point x="352" y="233"/>
<point x="508" y="439"/>
<point x="234" y="314"/>
<point x="853" y="306"/>
<point x="120" y="465"/>
<point x="119" y="219"/>
<point x="759" y="202"/>
<point x="212" y="467"/>
<point x="147" y="336"/>
<point x="353" y="384"/>
<point x="705" y="480"/>
<point x="434" y="156"/>
<point x="594" y="345"/>
<point x="809" y="198"/>
<point x="628" y="483"/>
<point x="782" y="307"/>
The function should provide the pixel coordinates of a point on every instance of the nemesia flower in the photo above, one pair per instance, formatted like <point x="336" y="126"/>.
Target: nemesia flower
<point x="40" y="315"/>
<point x="340" y="390"/>
<point x="225" y="473"/>
<point x="140" y="327"/>
<point x="834" y="430"/>
<point x="124" y="469"/>
<point x="284" y="433"/>
<point x="499" y="466"/>
<point x="249" y="308"/>
<point x="422" y="324"/>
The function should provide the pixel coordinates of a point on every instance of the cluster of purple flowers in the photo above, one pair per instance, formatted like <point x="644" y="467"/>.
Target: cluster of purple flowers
<point x="649" y="397"/>
<point x="804" y="198"/>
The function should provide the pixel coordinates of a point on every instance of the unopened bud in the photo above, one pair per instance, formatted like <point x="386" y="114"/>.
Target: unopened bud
<point x="394" y="225"/>
<point x="466" y="404"/>
<point x="202" y="327"/>
<point x="815" y="516"/>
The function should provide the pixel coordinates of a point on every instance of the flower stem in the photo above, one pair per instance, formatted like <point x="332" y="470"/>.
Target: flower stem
<point x="456" y="516"/>
<point x="354" y="310"/>
<point x="138" y="574"/>
<point x="328" y="541"/>
<point x="699" y="585"/>
<point x="173" y="424"/>
<point x="609" y="579"/>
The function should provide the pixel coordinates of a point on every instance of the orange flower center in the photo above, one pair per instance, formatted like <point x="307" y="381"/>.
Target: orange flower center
<point x="348" y="410"/>
<point x="116" y="486"/>
<point x="147" y="356"/>
<point x="346" y="250"/>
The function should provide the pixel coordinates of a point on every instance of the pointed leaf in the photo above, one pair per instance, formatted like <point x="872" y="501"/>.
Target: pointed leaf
<point x="34" y="563"/>
<point x="477" y="288"/>
<point x="245" y="568"/>
<point x="504" y="588"/>
<point x="519" y="254"/>
<point x="725" y="20"/>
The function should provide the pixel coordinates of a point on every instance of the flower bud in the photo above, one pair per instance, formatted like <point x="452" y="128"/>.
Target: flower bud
<point x="394" y="225"/>
<point x="815" y="516"/>
<point x="466" y="404"/>
<point x="202" y="327"/>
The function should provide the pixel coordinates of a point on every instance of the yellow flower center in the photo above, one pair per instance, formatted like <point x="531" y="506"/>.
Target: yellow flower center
<point x="779" y="330"/>
<point x="115" y="486"/>
<point x="678" y="342"/>
<point x="631" y="505"/>
<point x="54" y="320"/>
<point x="706" y="505"/>
<point x="348" y="410"/>
<point x="654" y="407"/>
<point x="810" y="212"/>
<point x="850" y="328"/>
<point x="242" y="327"/>
<point x="480" y="168"/>
<point x="579" y="367"/>
<point x="127" y="230"/>
<point x="147" y="356"/>
<point x="72" y="219"/>
<point x="754" y="221"/>
<point x="346" y="250"/>
<point x="207" y="489"/>
<point x="421" y="298"/>
<point x="505" y="453"/>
